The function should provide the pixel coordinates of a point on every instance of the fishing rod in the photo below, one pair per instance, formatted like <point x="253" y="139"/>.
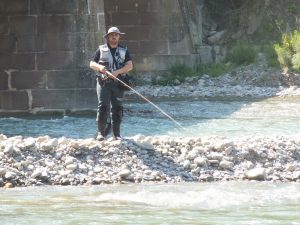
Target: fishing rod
<point x="147" y="100"/>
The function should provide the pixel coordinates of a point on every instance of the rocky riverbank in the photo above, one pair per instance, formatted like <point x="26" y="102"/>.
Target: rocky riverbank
<point x="248" y="81"/>
<point x="51" y="161"/>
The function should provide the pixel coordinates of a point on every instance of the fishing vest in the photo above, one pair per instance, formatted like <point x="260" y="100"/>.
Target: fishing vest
<point x="106" y="58"/>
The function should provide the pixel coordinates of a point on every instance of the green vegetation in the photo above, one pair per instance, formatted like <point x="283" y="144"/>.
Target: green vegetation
<point x="178" y="73"/>
<point x="242" y="54"/>
<point x="214" y="69"/>
<point x="175" y="75"/>
<point x="271" y="55"/>
<point x="288" y="51"/>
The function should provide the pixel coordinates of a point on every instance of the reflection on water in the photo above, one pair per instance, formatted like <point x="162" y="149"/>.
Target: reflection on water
<point x="215" y="203"/>
<point x="225" y="117"/>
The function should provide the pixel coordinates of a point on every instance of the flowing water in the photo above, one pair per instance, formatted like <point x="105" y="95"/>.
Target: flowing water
<point x="213" y="203"/>
<point x="225" y="117"/>
<point x="187" y="203"/>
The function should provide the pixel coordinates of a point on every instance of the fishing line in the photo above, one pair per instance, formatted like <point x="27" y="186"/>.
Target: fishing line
<point x="147" y="100"/>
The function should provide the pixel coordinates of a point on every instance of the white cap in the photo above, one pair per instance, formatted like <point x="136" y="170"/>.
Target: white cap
<point x="113" y="30"/>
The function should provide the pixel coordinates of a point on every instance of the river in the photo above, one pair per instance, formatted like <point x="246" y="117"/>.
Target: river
<point x="186" y="203"/>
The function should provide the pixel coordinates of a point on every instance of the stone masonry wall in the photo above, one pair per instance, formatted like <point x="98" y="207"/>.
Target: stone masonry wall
<point x="45" y="47"/>
<point x="156" y="34"/>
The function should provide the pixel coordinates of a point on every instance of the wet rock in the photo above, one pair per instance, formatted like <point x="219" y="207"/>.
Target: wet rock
<point x="9" y="175"/>
<point x="200" y="161"/>
<point x="124" y="173"/>
<point x="1" y="182"/>
<point x="256" y="174"/>
<point x="9" y="185"/>
<point x="224" y="164"/>
<point x="36" y="173"/>
<point x="2" y="171"/>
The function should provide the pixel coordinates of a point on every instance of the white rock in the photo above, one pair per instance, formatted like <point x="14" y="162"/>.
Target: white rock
<point x="226" y="164"/>
<point x="29" y="142"/>
<point x="9" y="148"/>
<point x="124" y="173"/>
<point x="36" y="173"/>
<point x="200" y="161"/>
<point x="69" y="160"/>
<point x="72" y="167"/>
<point x="2" y="171"/>
<point x="186" y="164"/>
<point x="256" y="174"/>
<point x="9" y="175"/>
<point x="192" y="154"/>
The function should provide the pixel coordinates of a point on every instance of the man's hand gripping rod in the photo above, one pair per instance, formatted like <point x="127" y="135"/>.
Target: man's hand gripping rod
<point x="147" y="100"/>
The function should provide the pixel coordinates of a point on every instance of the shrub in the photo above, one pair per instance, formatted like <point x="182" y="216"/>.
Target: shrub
<point x="215" y="69"/>
<point x="175" y="75"/>
<point x="288" y="51"/>
<point x="242" y="54"/>
<point x="271" y="55"/>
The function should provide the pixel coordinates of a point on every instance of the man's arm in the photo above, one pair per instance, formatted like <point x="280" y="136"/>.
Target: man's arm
<point x="125" y="69"/>
<point x="97" y="67"/>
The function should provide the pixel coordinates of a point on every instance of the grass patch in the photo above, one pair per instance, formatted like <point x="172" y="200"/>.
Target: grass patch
<point x="242" y="54"/>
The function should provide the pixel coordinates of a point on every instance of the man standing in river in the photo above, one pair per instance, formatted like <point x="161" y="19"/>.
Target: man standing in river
<point x="116" y="59"/>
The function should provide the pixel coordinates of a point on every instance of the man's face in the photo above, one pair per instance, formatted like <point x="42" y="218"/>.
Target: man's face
<point x="113" y="38"/>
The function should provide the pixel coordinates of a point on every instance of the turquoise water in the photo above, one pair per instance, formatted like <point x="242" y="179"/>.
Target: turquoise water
<point x="212" y="203"/>
<point x="225" y="117"/>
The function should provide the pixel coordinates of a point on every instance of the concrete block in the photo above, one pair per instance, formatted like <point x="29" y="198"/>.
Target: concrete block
<point x="125" y="18"/>
<point x="56" y="24"/>
<point x="133" y="47"/>
<point x="182" y="47"/>
<point x="3" y="24"/>
<point x="65" y="79"/>
<point x="86" y="23"/>
<point x="136" y="33"/>
<point x="205" y="53"/>
<point x="21" y="61"/>
<point x="27" y="43"/>
<point x="8" y="43"/>
<point x="55" y="60"/>
<point x="150" y="18"/>
<point x="41" y="7"/>
<point x="154" y="47"/>
<point x="65" y="99"/>
<point x="21" y="25"/>
<point x="13" y="100"/>
<point x="55" y="42"/>
<point x="28" y="80"/>
<point x="95" y="6"/>
<point x="14" y="7"/>
<point x="3" y="81"/>
<point x="163" y="62"/>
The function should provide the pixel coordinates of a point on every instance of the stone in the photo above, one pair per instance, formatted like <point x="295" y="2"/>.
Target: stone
<point x="226" y="164"/>
<point x="3" y="81"/>
<point x="9" y="148"/>
<point x="21" y="25"/>
<point x="256" y="174"/>
<point x="186" y="164"/>
<point x="29" y="142"/>
<point x="200" y="161"/>
<point x="1" y="182"/>
<point x="14" y="100"/>
<point x="36" y="173"/>
<point x="28" y="80"/>
<point x="55" y="60"/>
<point x="72" y="167"/>
<point x="2" y="171"/>
<point x="8" y="185"/>
<point x="9" y="175"/>
<point x="192" y="154"/>
<point x="124" y="173"/>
